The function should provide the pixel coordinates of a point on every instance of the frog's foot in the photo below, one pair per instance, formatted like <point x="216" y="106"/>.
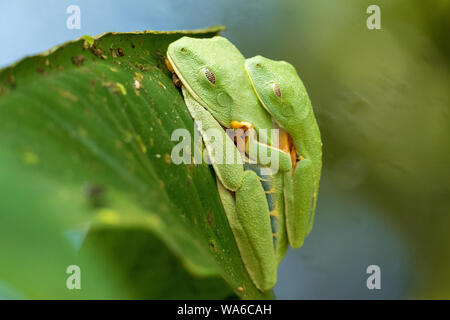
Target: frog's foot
<point x="252" y="212"/>
<point x="247" y="142"/>
<point x="241" y="138"/>
<point x="176" y="81"/>
<point x="169" y="65"/>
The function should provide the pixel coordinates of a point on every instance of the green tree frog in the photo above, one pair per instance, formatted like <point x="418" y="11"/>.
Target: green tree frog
<point x="219" y="95"/>
<point x="283" y="95"/>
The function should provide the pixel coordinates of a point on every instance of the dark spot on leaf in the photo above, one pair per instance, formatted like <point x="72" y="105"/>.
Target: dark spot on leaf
<point x="78" y="60"/>
<point x="210" y="218"/>
<point x="98" y="52"/>
<point x="95" y="195"/>
<point x="132" y="45"/>
<point x="113" y="52"/>
<point x="120" y="52"/>
<point x="189" y="180"/>
<point x="41" y="70"/>
<point x="11" y="81"/>
<point x="212" y="245"/>
<point x="143" y="67"/>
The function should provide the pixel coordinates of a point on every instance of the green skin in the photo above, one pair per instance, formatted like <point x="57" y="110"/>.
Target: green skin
<point x="283" y="95"/>
<point x="216" y="105"/>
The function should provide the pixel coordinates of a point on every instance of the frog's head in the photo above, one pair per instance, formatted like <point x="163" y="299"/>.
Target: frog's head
<point x="207" y="68"/>
<point x="279" y="89"/>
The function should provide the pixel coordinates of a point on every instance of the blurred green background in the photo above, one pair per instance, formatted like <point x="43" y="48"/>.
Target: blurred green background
<point x="382" y="102"/>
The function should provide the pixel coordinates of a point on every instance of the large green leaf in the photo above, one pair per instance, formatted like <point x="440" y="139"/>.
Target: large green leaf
<point x="93" y="118"/>
<point x="34" y="250"/>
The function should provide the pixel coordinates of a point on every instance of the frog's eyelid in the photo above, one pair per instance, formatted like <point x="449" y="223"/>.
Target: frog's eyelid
<point x="209" y="75"/>
<point x="276" y="89"/>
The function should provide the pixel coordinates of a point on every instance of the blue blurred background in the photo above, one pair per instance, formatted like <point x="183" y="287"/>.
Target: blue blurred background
<point x="382" y="102"/>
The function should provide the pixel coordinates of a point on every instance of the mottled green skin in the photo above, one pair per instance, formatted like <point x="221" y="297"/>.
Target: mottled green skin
<point x="284" y="96"/>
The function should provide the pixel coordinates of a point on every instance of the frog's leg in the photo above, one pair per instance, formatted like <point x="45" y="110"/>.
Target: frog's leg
<point x="248" y="216"/>
<point x="273" y="189"/>
<point x="281" y="238"/>
<point x="228" y="163"/>
<point x="300" y="186"/>
<point x="297" y="192"/>
<point x="269" y="152"/>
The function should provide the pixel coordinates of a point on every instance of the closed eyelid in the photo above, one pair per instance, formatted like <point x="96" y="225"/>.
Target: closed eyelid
<point x="208" y="74"/>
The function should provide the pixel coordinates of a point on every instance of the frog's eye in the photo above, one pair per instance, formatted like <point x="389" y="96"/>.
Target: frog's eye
<point x="209" y="75"/>
<point x="276" y="90"/>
